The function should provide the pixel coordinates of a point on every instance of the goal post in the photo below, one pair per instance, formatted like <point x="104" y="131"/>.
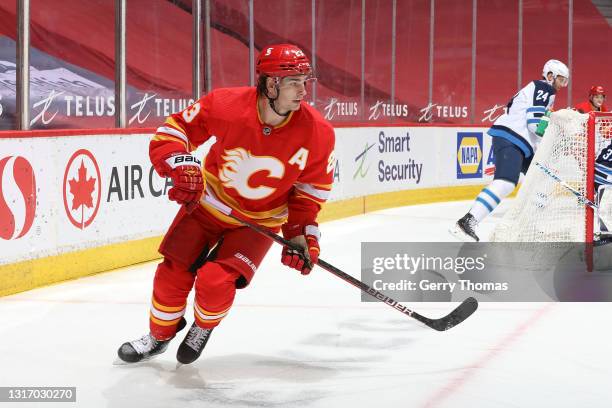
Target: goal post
<point x="545" y="211"/>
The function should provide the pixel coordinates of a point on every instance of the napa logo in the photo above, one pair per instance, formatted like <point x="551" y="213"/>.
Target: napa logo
<point x="469" y="155"/>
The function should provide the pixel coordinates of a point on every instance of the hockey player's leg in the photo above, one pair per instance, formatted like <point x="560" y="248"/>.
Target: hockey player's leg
<point x="171" y="287"/>
<point x="183" y="245"/>
<point x="236" y="261"/>
<point x="509" y="163"/>
<point x="603" y="180"/>
<point x="215" y="292"/>
<point x="602" y="232"/>
<point x="485" y="203"/>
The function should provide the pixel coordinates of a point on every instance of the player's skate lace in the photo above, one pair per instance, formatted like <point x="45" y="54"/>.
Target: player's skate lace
<point x="192" y="346"/>
<point x="196" y="337"/>
<point x="144" y="344"/>
<point x="145" y="347"/>
<point x="467" y="225"/>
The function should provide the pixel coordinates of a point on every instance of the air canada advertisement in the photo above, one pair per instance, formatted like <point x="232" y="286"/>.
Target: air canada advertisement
<point x="62" y="194"/>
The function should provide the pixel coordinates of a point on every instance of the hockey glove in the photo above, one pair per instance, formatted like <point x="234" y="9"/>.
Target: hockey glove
<point x="543" y="124"/>
<point x="305" y="237"/>
<point x="186" y="174"/>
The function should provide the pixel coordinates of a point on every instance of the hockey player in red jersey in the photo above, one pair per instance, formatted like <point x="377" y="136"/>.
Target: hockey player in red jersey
<point x="597" y="96"/>
<point x="272" y="163"/>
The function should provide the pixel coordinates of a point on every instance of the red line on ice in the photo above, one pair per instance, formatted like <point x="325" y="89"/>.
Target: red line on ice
<point x="471" y="370"/>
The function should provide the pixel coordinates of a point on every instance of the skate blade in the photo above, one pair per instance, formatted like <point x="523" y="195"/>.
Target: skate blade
<point x="458" y="234"/>
<point x="178" y="365"/>
<point x="120" y="362"/>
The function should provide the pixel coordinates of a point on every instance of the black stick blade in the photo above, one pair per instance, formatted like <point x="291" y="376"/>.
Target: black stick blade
<point x="461" y="312"/>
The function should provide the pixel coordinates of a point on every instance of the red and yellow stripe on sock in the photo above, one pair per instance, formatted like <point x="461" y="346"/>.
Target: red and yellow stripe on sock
<point x="166" y="315"/>
<point x="206" y="318"/>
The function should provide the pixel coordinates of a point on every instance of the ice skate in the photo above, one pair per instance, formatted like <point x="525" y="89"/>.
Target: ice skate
<point x="464" y="229"/>
<point x="193" y="344"/>
<point x="145" y="347"/>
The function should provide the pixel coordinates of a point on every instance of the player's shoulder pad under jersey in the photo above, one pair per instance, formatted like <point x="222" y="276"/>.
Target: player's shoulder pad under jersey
<point x="324" y="135"/>
<point x="236" y="92"/>
<point x="229" y="103"/>
<point x="542" y="92"/>
<point x="314" y="117"/>
<point x="583" y="107"/>
<point x="544" y="86"/>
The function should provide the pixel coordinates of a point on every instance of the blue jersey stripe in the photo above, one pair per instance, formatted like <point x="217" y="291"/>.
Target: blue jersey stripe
<point x="603" y="168"/>
<point x="512" y="137"/>
<point x="541" y="109"/>
<point x="602" y="180"/>
<point x="530" y="121"/>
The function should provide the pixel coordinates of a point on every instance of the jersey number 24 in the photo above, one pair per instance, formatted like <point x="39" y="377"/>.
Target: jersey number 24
<point x="541" y="95"/>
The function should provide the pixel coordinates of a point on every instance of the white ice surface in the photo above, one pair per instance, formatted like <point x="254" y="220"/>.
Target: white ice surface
<point x="294" y="341"/>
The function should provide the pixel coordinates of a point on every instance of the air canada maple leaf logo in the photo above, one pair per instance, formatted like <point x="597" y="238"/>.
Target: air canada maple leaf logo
<point x="82" y="191"/>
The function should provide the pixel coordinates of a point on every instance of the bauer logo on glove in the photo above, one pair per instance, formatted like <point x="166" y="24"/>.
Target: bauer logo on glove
<point x="182" y="159"/>
<point x="186" y="175"/>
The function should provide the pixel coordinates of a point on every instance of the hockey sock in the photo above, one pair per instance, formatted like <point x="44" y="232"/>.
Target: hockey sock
<point x="490" y="197"/>
<point x="600" y="192"/>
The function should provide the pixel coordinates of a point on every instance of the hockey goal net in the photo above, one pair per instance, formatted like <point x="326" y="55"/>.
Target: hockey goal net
<point x="544" y="210"/>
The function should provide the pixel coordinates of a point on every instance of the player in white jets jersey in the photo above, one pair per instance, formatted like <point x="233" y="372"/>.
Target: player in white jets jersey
<point x="514" y="143"/>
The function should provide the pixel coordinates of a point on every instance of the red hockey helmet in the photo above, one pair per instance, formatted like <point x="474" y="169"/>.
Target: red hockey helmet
<point x="597" y="90"/>
<point x="282" y="60"/>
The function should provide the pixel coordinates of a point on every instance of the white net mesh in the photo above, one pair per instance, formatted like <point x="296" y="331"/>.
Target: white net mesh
<point x="544" y="211"/>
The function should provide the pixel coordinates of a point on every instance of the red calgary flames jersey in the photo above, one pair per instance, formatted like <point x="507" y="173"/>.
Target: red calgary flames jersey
<point x="265" y="173"/>
<point x="587" y="106"/>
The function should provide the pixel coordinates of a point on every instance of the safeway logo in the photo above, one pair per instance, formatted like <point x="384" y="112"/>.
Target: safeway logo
<point x="82" y="189"/>
<point x="17" y="197"/>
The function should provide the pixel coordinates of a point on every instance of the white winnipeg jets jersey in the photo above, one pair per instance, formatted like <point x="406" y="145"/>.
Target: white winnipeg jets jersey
<point x="523" y="113"/>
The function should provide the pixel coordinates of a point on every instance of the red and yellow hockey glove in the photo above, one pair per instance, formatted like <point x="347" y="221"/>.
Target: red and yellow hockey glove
<point x="307" y="238"/>
<point x="186" y="174"/>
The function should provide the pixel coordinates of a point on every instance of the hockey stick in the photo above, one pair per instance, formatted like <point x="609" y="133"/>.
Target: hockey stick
<point x="581" y="198"/>
<point x="461" y="312"/>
